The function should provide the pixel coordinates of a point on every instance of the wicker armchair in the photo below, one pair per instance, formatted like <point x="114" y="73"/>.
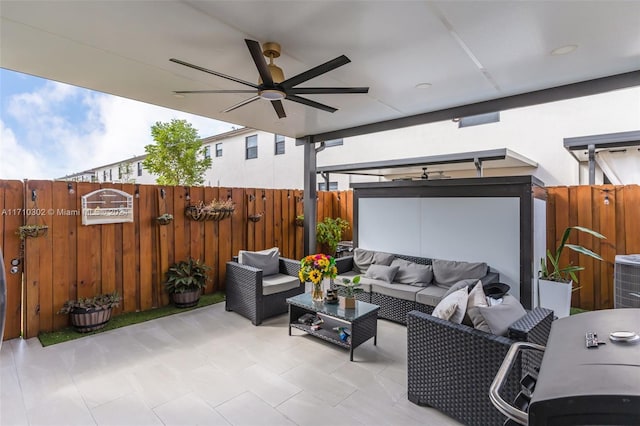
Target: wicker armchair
<point x="245" y="292"/>
<point x="451" y="366"/>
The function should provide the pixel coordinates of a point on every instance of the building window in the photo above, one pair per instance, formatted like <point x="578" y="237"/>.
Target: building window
<point x="110" y="175"/>
<point x="119" y="172"/>
<point x="104" y="175"/>
<point x="207" y="151"/>
<point x="139" y="168"/>
<point x="333" y="186"/>
<point x="333" y="142"/>
<point x="476" y="120"/>
<point x="279" y="144"/>
<point x="252" y="146"/>
<point x="219" y="149"/>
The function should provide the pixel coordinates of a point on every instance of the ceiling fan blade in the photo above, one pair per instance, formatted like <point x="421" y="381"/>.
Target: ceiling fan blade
<point x="238" y="105"/>
<point x="326" y="90"/>
<point x="184" y="92"/>
<point x="277" y="105"/>
<point x="258" y="59"/>
<point x="309" y="102"/>
<point x="316" y="71"/>
<point x="208" y="71"/>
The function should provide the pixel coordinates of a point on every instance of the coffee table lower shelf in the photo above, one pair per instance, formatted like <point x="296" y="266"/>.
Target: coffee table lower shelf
<point x="363" y="326"/>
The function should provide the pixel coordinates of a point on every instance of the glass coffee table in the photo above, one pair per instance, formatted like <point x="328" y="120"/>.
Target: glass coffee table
<point x="361" y="322"/>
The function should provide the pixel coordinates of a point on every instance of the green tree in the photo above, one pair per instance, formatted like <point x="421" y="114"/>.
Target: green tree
<point x="177" y="157"/>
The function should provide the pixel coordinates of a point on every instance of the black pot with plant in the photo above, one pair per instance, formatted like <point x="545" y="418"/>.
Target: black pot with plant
<point x="91" y="313"/>
<point x="329" y="232"/>
<point x="185" y="281"/>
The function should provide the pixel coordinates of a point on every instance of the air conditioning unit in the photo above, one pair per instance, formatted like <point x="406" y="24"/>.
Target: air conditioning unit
<point x="626" y="289"/>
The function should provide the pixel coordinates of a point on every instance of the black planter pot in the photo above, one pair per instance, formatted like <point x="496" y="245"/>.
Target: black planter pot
<point x="86" y="320"/>
<point x="186" y="299"/>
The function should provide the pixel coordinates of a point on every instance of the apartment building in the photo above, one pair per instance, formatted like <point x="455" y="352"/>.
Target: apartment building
<point x="533" y="137"/>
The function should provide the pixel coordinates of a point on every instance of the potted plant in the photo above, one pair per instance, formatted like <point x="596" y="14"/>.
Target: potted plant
<point x="32" y="231"/>
<point x="350" y="287"/>
<point x="185" y="281"/>
<point x="164" y="219"/>
<point x="215" y="210"/>
<point x="299" y="220"/>
<point x="329" y="232"/>
<point x="255" y="217"/>
<point x="555" y="282"/>
<point x="90" y="313"/>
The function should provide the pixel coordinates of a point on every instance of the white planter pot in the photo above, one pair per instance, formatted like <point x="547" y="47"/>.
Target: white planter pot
<point x="555" y="296"/>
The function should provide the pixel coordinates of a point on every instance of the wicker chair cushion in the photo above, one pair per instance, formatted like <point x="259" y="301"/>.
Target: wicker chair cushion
<point x="266" y="260"/>
<point x="500" y="317"/>
<point x="453" y="307"/>
<point x="430" y="295"/>
<point x="399" y="291"/>
<point x="412" y="273"/>
<point x="449" y="272"/>
<point x="382" y="272"/>
<point x="277" y="283"/>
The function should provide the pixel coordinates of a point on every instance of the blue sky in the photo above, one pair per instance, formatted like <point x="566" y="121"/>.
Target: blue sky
<point x="50" y="129"/>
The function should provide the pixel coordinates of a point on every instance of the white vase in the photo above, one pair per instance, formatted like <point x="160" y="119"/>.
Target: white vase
<point x="555" y="296"/>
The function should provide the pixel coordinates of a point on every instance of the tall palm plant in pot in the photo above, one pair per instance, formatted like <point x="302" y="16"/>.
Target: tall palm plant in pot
<point x="555" y="282"/>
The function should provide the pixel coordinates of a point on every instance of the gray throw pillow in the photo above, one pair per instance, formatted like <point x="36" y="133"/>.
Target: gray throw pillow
<point x="412" y="273"/>
<point x="382" y="258"/>
<point x="477" y="299"/>
<point x="449" y="272"/>
<point x="362" y="259"/>
<point x="500" y="317"/>
<point x="266" y="260"/>
<point x="381" y="272"/>
<point x="468" y="284"/>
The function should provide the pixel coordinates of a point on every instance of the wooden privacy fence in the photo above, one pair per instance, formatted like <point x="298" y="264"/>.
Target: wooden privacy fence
<point x="74" y="261"/>
<point x="614" y="211"/>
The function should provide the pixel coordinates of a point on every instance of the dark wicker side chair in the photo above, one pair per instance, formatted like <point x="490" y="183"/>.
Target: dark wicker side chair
<point x="256" y="296"/>
<point x="451" y="366"/>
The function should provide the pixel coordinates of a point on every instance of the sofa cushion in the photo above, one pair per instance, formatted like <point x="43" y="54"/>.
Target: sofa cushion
<point x="278" y="283"/>
<point x="412" y="273"/>
<point x="500" y="317"/>
<point x="381" y="272"/>
<point x="430" y="295"/>
<point x="362" y="259"/>
<point x="477" y="299"/>
<point x="399" y="291"/>
<point x="365" y="283"/>
<point x="449" y="272"/>
<point x="452" y="307"/>
<point x="266" y="260"/>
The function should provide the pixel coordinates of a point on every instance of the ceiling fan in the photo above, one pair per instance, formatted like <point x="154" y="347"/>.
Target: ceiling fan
<point x="272" y="85"/>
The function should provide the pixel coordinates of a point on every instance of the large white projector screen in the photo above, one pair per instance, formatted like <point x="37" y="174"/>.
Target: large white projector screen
<point x="471" y="229"/>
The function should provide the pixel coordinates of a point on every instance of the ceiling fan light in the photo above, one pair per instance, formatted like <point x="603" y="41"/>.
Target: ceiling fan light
<point x="271" y="94"/>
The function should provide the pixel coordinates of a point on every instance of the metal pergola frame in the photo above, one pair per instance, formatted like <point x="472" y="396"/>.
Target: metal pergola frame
<point x="568" y="91"/>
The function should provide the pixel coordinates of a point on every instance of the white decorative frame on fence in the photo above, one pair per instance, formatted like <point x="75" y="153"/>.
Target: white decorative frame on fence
<point x="107" y="206"/>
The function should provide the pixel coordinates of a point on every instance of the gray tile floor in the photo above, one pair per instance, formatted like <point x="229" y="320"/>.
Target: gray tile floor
<point x="208" y="367"/>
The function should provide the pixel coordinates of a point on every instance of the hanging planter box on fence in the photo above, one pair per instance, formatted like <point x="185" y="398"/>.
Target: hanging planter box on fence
<point x="86" y="320"/>
<point x="32" y="231"/>
<point x="202" y="213"/>
<point x="255" y="217"/>
<point x="165" y="219"/>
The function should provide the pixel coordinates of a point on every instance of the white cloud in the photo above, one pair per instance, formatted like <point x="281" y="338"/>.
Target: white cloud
<point x="17" y="161"/>
<point x="61" y="129"/>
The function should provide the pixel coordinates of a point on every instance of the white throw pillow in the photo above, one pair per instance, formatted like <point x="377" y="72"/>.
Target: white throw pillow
<point x="477" y="299"/>
<point x="453" y="306"/>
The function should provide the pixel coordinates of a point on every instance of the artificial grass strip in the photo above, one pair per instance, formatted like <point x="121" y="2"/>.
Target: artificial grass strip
<point x="123" y="320"/>
<point x="574" y="311"/>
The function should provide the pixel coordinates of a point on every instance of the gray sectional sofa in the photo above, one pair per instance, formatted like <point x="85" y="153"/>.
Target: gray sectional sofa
<point x="400" y="283"/>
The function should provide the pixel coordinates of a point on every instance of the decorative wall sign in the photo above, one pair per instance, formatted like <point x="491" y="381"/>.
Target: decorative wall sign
<point x="107" y="206"/>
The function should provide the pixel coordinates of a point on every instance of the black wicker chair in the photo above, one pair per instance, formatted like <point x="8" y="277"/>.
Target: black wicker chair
<point x="451" y="366"/>
<point x="244" y="292"/>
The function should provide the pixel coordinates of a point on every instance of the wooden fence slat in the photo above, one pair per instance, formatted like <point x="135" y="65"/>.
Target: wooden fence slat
<point x="632" y="218"/>
<point x="12" y="202"/>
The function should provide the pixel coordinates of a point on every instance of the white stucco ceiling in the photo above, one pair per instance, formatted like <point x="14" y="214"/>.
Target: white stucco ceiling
<point x="469" y="51"/>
